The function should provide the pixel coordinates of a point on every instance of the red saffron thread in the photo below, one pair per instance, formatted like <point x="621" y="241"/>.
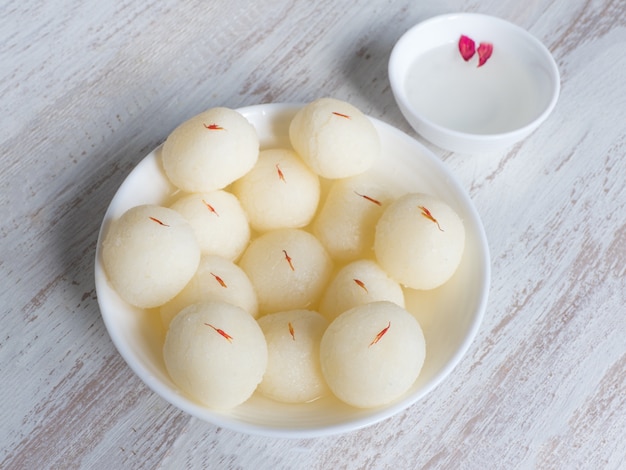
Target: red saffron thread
<point x="281" y="175"/>
<point x="288" y="258"/>
<point x="426" y="213"/>
<point x="380" y="334"/>
<point x="370" y="199"/>
<point x="291" y="331"/>
<point x="341" y="115"/>
<point x="219" y="280"/>
<point x="361" y="284"/>
<point x="221" y="332"/>
<point x="210" y="207"/>
<point x="158" y="221"/>
<point x="214" y="127"/>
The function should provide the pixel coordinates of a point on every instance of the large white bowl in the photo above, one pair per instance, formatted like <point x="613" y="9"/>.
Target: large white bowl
<point x="464" y="108"/>
<point x="450" y="315"/>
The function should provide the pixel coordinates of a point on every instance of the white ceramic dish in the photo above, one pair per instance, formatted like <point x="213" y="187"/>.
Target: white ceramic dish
<point x="464" y="108"/>
<point x="450" y="315"/>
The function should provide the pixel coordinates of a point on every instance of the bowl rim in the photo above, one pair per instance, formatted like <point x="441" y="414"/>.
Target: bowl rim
<point x="233" y="423"/>
<point x="397" y="81"/>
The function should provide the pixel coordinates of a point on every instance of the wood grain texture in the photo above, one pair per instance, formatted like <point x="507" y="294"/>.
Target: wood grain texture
<point x="86" y="90"/>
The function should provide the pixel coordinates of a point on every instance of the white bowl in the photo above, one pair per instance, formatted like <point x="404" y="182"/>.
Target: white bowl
<point x="450" y="315"/>
<point x="459" y="106"/>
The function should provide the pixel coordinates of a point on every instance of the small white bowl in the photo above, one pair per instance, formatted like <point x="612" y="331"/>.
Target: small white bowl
<point x="464" y="108"/>
<point x="449" y="316"/>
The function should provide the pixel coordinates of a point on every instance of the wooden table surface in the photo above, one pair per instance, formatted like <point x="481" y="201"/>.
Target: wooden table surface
<point x="88" y="88"/>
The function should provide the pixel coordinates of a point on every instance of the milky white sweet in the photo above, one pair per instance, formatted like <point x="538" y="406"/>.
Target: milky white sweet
<point x="293" y="373"/>
<point x="216" y="278"/>
<point x="218" y="220"/>
<point x="210" y="150"/>
<point x="420" y="241"/>
<point x="372" y="354"/>
<point x="216" y="353"/>
<point x="347" y="220"/>
<point x="279" y="192"/>
<point x="334" y="138"/>
<point x="288" y="268"/>
<point x="149" y="255"/>
<point x="358" y="283"/>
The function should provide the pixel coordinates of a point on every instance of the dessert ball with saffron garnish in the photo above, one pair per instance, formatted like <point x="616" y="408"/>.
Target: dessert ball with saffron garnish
<point x="334" y="138"/>
<point x="288" y="268"/>
<point x="293" y="373"/>
<point x="216" y="353"/>
<point x="358" y="283"/>
<point x="420" y="241"/>
<point x="218" y="220"/>
<point x="216" y="278"/>
<point x="372" y="354"/>
<point x="347" y="220"/>
<point x="279" y="192"/>
<point x="149" y="255"/>
<point x="210" y="150"/>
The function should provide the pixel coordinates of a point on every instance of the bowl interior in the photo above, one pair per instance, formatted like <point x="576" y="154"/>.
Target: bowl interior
<point x="517" y="86"/>
<point x="449" y="315"/>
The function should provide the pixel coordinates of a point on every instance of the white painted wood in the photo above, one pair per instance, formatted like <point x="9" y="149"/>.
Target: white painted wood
<point x="87" y="89"/>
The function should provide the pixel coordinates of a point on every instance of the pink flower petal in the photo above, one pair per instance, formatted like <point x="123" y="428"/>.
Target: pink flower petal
<point x="467" y="47"/>
<point x="485" y="49"/>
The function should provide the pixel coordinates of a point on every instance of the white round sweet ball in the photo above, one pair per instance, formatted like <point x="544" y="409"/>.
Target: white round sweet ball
<point x="288" y="268"/>
<point x="279" y="192"/>
<point x="358" y="283"/>
<point x="216" y="278"/>
<point x="347" y="221"/>
<point x="293" y="373"/>
<point x="334" y="138"/>
<point x="216" y="353"/>
<point x="420" y="241"/>
<point x="372" y="354"/>
<point x="218" y="220"/>
<point x="149" y="255"/>
<point x="210" y="150"/>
